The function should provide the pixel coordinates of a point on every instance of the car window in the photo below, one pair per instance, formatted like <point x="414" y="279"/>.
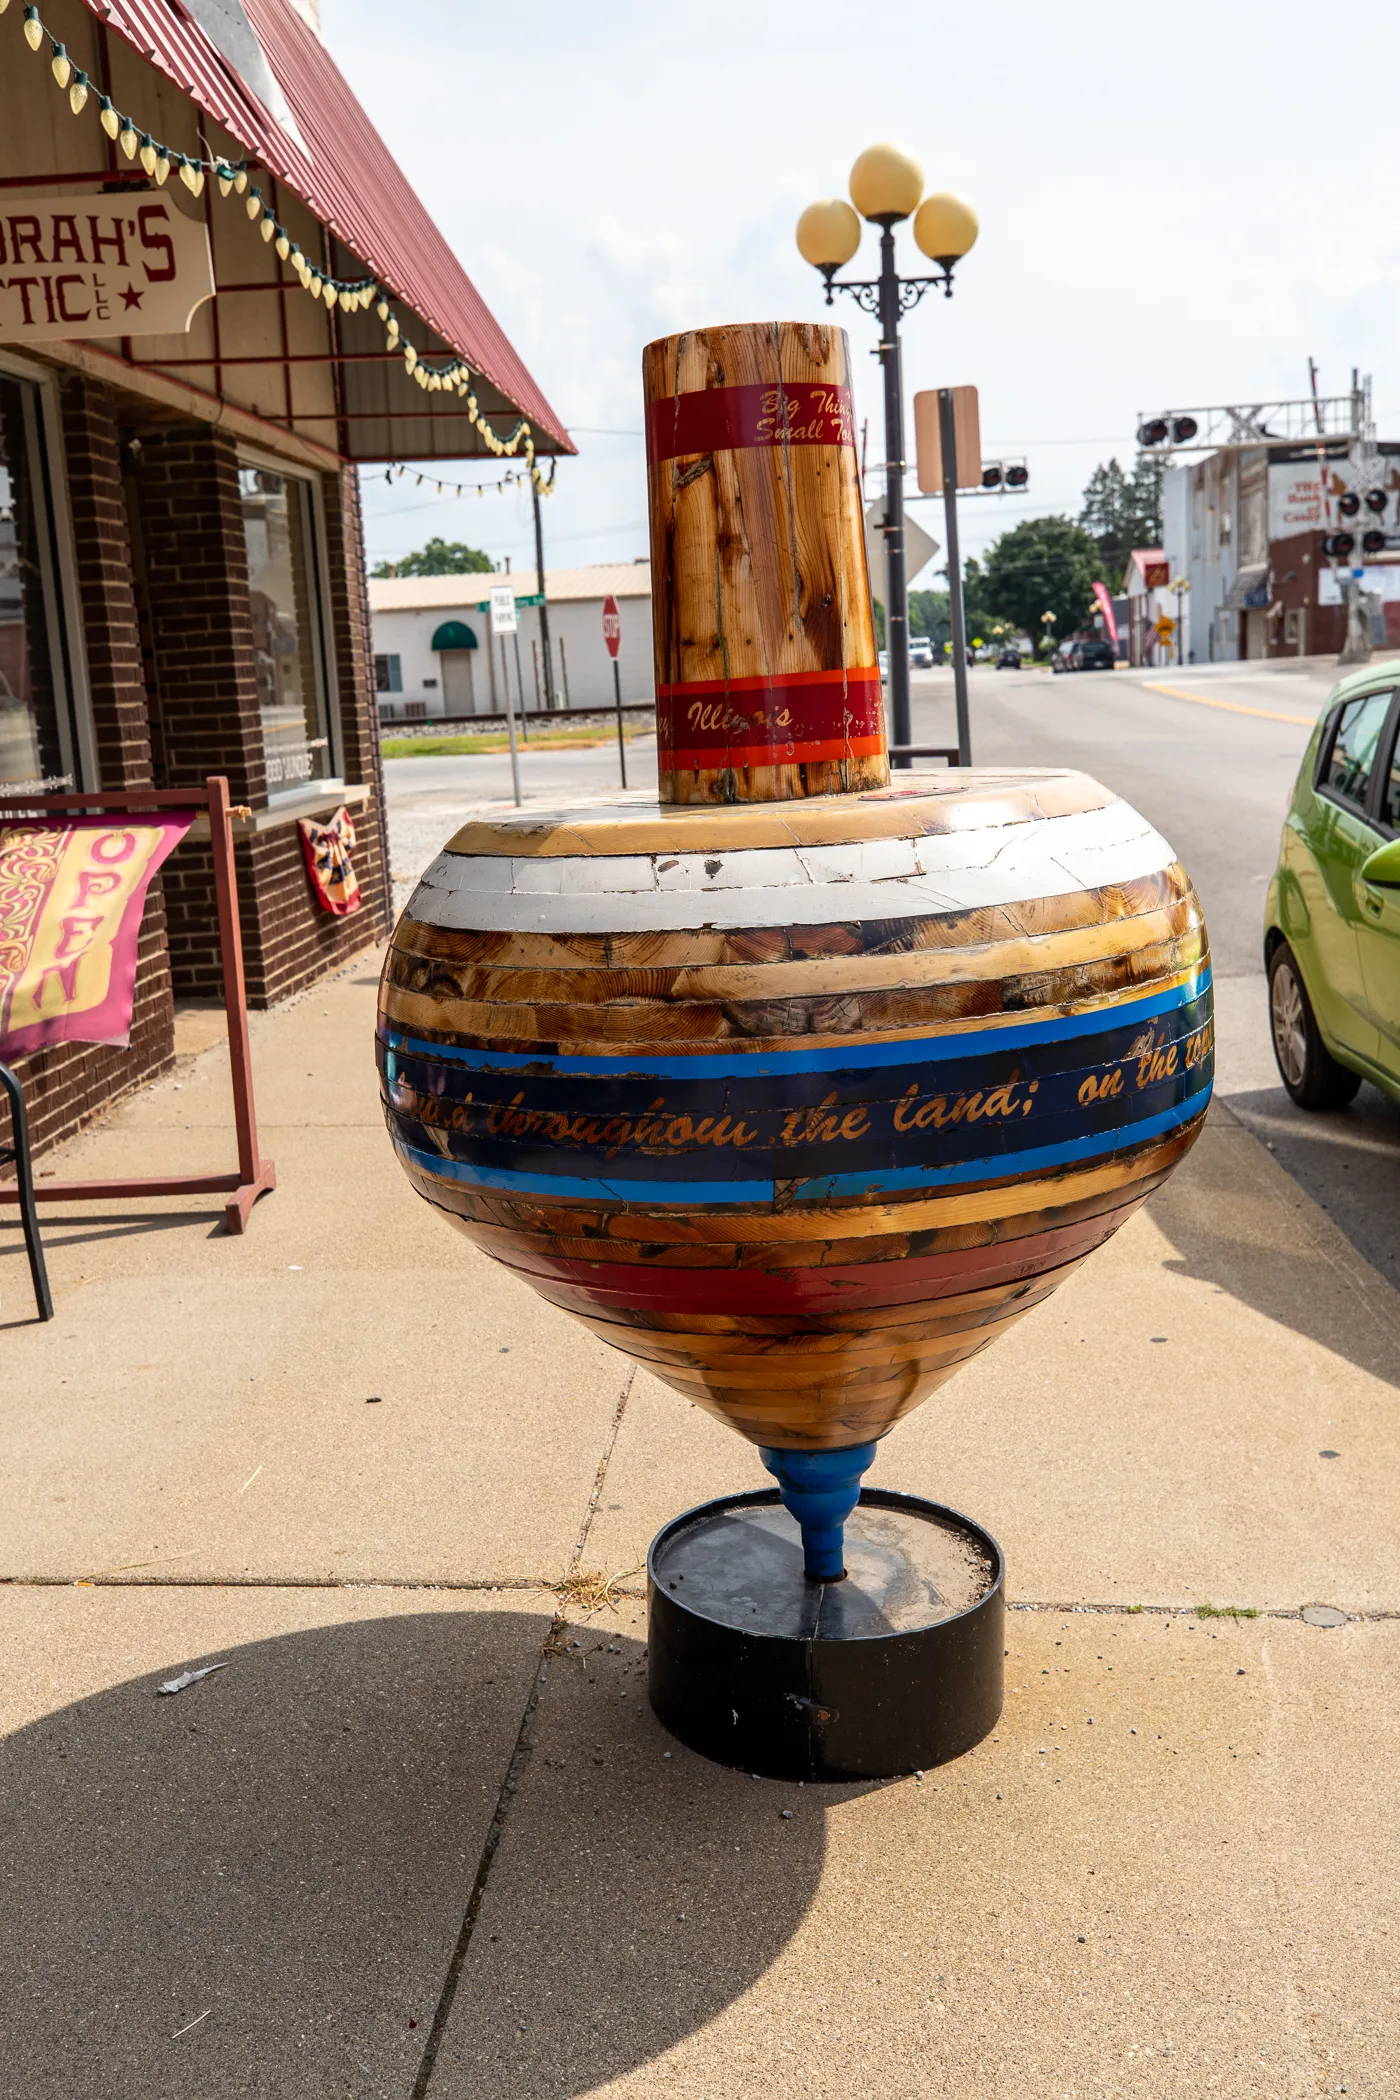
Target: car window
<point x="1390" y="793"/>
<point x="1353" y="753"/>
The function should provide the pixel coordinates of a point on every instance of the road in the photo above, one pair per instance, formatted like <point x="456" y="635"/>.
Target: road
<point x="1212" y="772"/>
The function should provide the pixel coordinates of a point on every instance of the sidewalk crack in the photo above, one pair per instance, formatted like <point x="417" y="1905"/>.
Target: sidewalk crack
<point x="519" y="1760"/>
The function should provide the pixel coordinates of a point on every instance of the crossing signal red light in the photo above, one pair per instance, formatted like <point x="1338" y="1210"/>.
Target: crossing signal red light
<point x="1373" y="542"/>
<point x="1349" y="504"/>
<point x="1153" y="432"/>
<point x="1017" y="477"/>
<point x="1338" y="545"/>
<point x="1376" y="500"/>
<point x="991" y="477"/>
<point x="1184" y="428"/>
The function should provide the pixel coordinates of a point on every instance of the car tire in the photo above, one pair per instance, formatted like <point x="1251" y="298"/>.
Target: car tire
<point x="1313" y="1077"/>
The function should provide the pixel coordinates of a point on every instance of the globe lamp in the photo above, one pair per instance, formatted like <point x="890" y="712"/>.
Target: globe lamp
<point x="886" y="184"/>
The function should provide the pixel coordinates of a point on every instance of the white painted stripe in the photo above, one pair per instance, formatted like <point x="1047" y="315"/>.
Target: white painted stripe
<point x="787" y="885"/>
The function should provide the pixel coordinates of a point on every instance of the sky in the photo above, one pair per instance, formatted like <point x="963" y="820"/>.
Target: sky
<point x="1176" y="211"/>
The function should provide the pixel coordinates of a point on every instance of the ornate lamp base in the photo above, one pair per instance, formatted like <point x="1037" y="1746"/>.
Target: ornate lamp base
<point x="756" y="1662"/>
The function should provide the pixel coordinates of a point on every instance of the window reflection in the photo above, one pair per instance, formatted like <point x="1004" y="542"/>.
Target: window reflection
<point x="1354" y="746"/>
<point x="32" y="741"/>
<point x="278" y="533"/>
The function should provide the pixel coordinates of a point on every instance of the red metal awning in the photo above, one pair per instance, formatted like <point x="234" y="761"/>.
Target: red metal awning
<point x="346" y="175"/>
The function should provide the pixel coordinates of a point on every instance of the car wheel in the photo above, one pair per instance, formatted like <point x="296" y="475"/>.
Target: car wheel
<point x="1312" y="1075"/>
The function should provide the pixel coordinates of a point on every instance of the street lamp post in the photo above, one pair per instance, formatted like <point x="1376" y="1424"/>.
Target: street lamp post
<point x="1180" y="585"/>
<point x="886" y="186"/>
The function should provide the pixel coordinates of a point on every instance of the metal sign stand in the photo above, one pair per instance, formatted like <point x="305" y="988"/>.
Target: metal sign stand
<point x="255" y="1174"/>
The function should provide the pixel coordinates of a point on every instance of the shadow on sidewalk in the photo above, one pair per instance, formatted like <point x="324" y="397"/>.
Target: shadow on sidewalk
<point x="1228" y="1214"/>
<point x="291" y="1845"/>
<point x="1346" y="1159"/>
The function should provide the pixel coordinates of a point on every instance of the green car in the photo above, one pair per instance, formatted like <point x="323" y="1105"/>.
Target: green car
<point x="1332" y="922"/>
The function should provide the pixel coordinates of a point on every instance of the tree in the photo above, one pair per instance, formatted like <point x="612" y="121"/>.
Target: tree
<point x="928" y="612"/>
<point x="439" y="558"/>
<point x="1045" y="565"/>
<point x="1122" y="511"/>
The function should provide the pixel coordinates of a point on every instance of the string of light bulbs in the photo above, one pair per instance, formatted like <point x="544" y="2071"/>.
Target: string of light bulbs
<point x="159" y="161"/>
<point x="544" y="484"/>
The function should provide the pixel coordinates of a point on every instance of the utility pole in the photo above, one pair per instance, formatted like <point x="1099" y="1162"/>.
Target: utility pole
<point x="549" y="699"/>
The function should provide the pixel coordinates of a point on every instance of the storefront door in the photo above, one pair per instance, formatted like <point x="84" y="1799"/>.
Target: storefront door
<point x="458" y="682"/>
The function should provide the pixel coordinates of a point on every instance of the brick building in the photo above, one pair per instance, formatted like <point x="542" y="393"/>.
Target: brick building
<point x="182" y="587"/>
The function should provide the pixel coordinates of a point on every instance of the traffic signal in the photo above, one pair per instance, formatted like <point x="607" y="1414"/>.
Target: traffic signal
<point x="1153" y="432"/>
<point x="1376" y="500"/>
<point x="1349" y="504"/>
<point x="1184" y="428"/>
<point x="1338" y="545"/>
<point x="1017" y="477"/>
<point x="991" y="477"/>
<point x="1373" y="542"/>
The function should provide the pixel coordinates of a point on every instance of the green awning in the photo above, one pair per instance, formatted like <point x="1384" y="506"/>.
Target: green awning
<point x="454" y="634"/>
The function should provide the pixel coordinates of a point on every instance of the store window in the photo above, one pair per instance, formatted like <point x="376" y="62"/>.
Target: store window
<point x="388" y="674"/>
<point x="284" y="584"/>
<point x="36" y="727"/>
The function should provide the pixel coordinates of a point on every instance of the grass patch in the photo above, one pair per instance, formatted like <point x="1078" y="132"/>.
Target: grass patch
<point x="1132" y="1609"/>
<point x="1227" y="1611"/>
<point x="590" y="1590"/>
<point x="471" y="744"/>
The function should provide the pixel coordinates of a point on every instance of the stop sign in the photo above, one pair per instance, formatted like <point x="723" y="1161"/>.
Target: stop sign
<point x="612" y="625"/>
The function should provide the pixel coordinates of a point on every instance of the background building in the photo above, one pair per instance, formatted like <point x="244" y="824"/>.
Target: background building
<point x="182" y="585"/>
<point x="1247" y="525"/>
<point x="1145" y="589"/>
<point x="432" y="635"/>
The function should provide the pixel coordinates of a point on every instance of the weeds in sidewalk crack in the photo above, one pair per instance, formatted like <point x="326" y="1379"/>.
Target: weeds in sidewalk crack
<point x="590" y="1590"/>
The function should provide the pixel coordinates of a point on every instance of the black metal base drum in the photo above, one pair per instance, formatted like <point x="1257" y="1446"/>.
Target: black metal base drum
<point x="894" y="1669"/>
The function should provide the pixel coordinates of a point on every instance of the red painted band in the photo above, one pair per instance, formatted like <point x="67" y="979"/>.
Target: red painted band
<point x="582" y="1286"/>
<point x="774" y="681"/>
<point x="713" y="758"/>
<point x="738" y="418"/>
<point x="767" y="723"/>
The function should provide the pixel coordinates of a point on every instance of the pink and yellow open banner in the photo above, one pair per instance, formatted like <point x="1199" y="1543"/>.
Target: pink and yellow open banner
<point x="72" y="893"/>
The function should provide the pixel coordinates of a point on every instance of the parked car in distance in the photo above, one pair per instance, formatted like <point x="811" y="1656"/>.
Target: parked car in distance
<point x="1332" y="917"/>
<point x="921" y="652"/>
<point x="1009" y="660"/>
<point x="1084" y="656"/>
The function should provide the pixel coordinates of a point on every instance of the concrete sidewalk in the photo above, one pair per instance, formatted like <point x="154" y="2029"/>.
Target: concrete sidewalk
<point x="423" y="1835"/>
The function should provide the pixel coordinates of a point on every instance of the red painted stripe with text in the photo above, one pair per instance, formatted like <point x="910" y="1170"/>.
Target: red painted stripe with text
<point x="737" y="418"/>
<point x="786" y="720"/>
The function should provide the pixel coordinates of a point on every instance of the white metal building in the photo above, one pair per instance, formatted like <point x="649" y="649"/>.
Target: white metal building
<point x="432" y="638"/>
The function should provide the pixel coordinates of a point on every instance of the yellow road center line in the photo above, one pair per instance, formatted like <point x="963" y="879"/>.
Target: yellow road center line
<point x="1233" y="707"/>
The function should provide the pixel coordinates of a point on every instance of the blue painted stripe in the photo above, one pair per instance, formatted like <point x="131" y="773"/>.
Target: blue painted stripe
<point x="855" y="1054"/>
<point x="624" y="1189"/>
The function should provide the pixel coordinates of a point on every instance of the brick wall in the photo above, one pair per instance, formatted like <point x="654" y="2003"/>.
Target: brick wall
<point x="187" y="572"/>
<point x="196" y="581"/>
<point x="359" y="703"/>
<point x="65" y="1085"/>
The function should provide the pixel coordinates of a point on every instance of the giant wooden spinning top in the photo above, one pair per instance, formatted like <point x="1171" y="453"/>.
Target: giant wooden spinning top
<point x="795" y="1085"/>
